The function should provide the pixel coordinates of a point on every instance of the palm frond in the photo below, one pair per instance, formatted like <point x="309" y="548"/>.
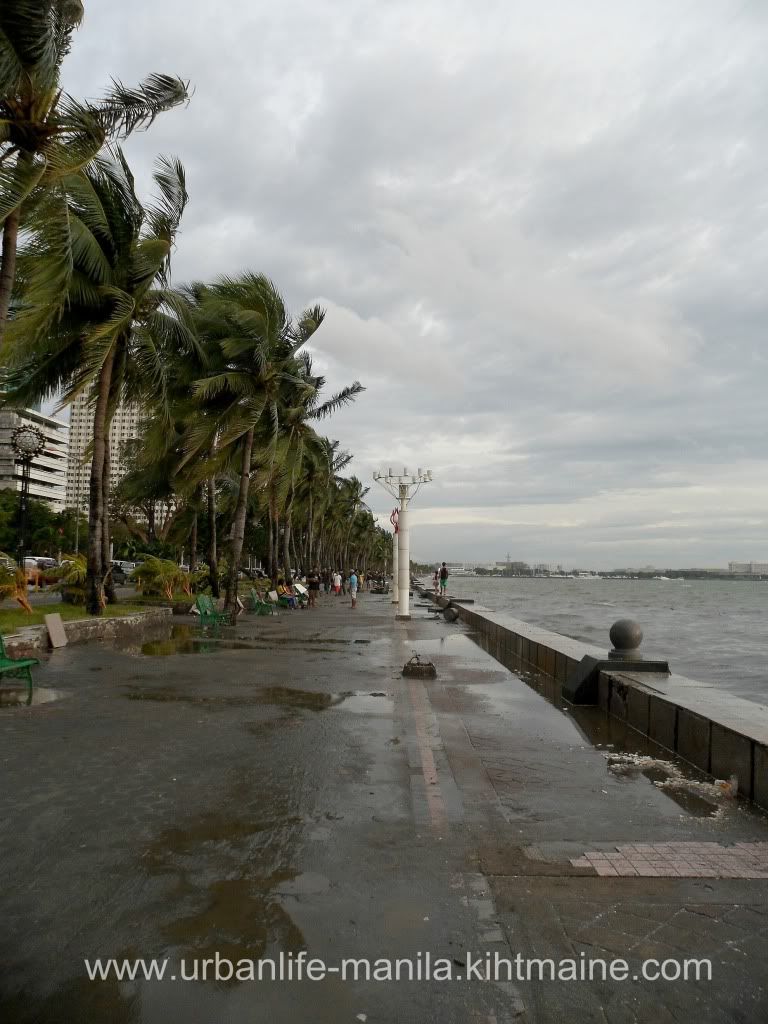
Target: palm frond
<point x="125" y="109"/>
<point x="165" y="214"/>
<point x="343" y="397"/>
<point x="17" y="181"/>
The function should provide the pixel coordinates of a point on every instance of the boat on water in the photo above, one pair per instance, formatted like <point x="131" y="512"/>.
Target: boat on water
<point x="454" y="569"/>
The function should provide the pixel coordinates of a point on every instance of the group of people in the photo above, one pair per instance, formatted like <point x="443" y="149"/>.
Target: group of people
<point x="322" y="581"/>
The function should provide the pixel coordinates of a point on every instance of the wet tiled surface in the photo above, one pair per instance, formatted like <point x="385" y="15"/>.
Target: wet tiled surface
<point x="680" y="860"/>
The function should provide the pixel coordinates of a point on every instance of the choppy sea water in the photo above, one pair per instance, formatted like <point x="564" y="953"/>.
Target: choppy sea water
<point x="716" y="631"/>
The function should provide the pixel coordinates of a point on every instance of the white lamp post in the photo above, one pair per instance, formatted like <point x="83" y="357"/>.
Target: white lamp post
<point x="395" y="541"/>
<point x="399" y="486"/>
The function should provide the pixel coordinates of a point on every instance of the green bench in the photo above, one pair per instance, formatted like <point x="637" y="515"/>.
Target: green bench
<point x="209" y="616"/>
<point x="260" y="605"/>
<point x="17" y="668"/>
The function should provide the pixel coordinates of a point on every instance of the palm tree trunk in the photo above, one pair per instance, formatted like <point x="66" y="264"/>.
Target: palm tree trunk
<point x="151" y="512"/>
<point x="287" y="543"/>
<point x="8" y="265"/>
<point x="270" y="546"/>
<point x="309" y="531"/>
<point x="94" y="588"/>
<point x="109" y="586"/>
<point x="193" y="541"/>
<point x="274" y="540"/>
<point x="238" y="524"/>
<point x="213" y="565"/>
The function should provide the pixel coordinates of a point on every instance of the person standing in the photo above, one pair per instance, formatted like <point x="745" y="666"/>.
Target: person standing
<point x="337" y="583"/>
<point x="353" y="582"/>
<point x="443" y="579"/>
<point x="313" y="585"/>
<point x="436" y="581"/>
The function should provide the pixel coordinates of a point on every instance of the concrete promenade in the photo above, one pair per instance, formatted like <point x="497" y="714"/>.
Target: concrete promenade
<point x="282" y="787"/>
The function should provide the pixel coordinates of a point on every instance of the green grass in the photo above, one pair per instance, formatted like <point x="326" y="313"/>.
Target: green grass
<point x="13" y="618"/>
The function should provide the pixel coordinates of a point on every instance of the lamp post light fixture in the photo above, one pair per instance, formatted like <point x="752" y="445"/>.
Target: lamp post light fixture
<point x="27" y="441"/>
<point x="400" y="486"/>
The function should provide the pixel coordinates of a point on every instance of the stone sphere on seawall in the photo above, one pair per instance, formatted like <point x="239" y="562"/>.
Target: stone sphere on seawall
<point x="626" y="635"/>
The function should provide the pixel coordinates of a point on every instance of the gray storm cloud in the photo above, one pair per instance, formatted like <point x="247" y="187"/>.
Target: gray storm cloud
<point x="552" y="216"/>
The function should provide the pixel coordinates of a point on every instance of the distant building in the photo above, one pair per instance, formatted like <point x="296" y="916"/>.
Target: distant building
<point x="457" y="568"/>
<point x="125" y="426"/>
<point x="748" y="568"/>
<point x="48" y="472"/>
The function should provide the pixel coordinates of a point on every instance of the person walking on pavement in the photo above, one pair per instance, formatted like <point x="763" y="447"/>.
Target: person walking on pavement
<point x="353" y="582"/>
<point x="313" y="585"/>
<point x="443" y="579"/>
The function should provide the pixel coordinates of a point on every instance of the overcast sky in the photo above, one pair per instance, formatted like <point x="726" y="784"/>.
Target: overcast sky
<point x="539" y="227"/>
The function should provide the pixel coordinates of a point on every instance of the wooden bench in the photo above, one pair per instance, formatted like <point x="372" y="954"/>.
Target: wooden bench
<point x="209" y="616"/>
<point x="17" y="668"/>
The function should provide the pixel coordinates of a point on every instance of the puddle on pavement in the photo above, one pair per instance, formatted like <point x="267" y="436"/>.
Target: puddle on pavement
<point x="186" y="640"/>
<point x="287" y="697"/>
<point x="699" y="798"/>
<point x="281" y="696"/>
<point x="193" y="645"/>
<point x="240" y="913"/>
<point x="13" y="698"/>
<point x="241" y="917"/>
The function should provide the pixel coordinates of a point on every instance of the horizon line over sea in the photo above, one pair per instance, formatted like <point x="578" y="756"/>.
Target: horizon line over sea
<point x="709" y="630"/>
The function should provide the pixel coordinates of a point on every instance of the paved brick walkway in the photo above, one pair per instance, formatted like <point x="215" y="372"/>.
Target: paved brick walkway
<point x="680" y="860"/>
<point x="281" y="787"/>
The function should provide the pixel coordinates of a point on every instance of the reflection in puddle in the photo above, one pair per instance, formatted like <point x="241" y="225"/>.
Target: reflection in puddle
<point x="18" y="697"/>
<point x="282" y="696"/>
<point x="239" y="912"/>
<point x="185" y="640"/>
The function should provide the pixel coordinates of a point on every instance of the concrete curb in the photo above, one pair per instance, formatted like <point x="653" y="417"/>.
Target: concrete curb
<point x="32" y="641"/>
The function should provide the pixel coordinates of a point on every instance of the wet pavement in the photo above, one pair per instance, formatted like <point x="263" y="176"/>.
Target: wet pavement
<point x="280" y="787"/>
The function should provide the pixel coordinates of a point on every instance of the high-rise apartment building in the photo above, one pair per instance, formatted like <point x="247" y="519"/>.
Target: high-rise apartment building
<point x="48" y="471"/>
<point x="125" y="426"/>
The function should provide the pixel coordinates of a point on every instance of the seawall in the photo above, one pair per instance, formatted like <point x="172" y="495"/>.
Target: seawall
<point x="721" y="734"/>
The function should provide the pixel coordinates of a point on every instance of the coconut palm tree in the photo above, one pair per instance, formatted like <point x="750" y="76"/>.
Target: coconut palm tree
<point x="252" y="342"/>
<point x="103" y="320"/>
<point x="46" y="134"/>
<point x="324" y="502"/>
<point x="298" y="445"/>
<point x="351" y="494"/>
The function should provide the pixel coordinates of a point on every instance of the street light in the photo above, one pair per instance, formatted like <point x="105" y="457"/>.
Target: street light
<point x="399" y="485"/>
<point x="393" y="519"/>
<point x="27" y="442"/>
